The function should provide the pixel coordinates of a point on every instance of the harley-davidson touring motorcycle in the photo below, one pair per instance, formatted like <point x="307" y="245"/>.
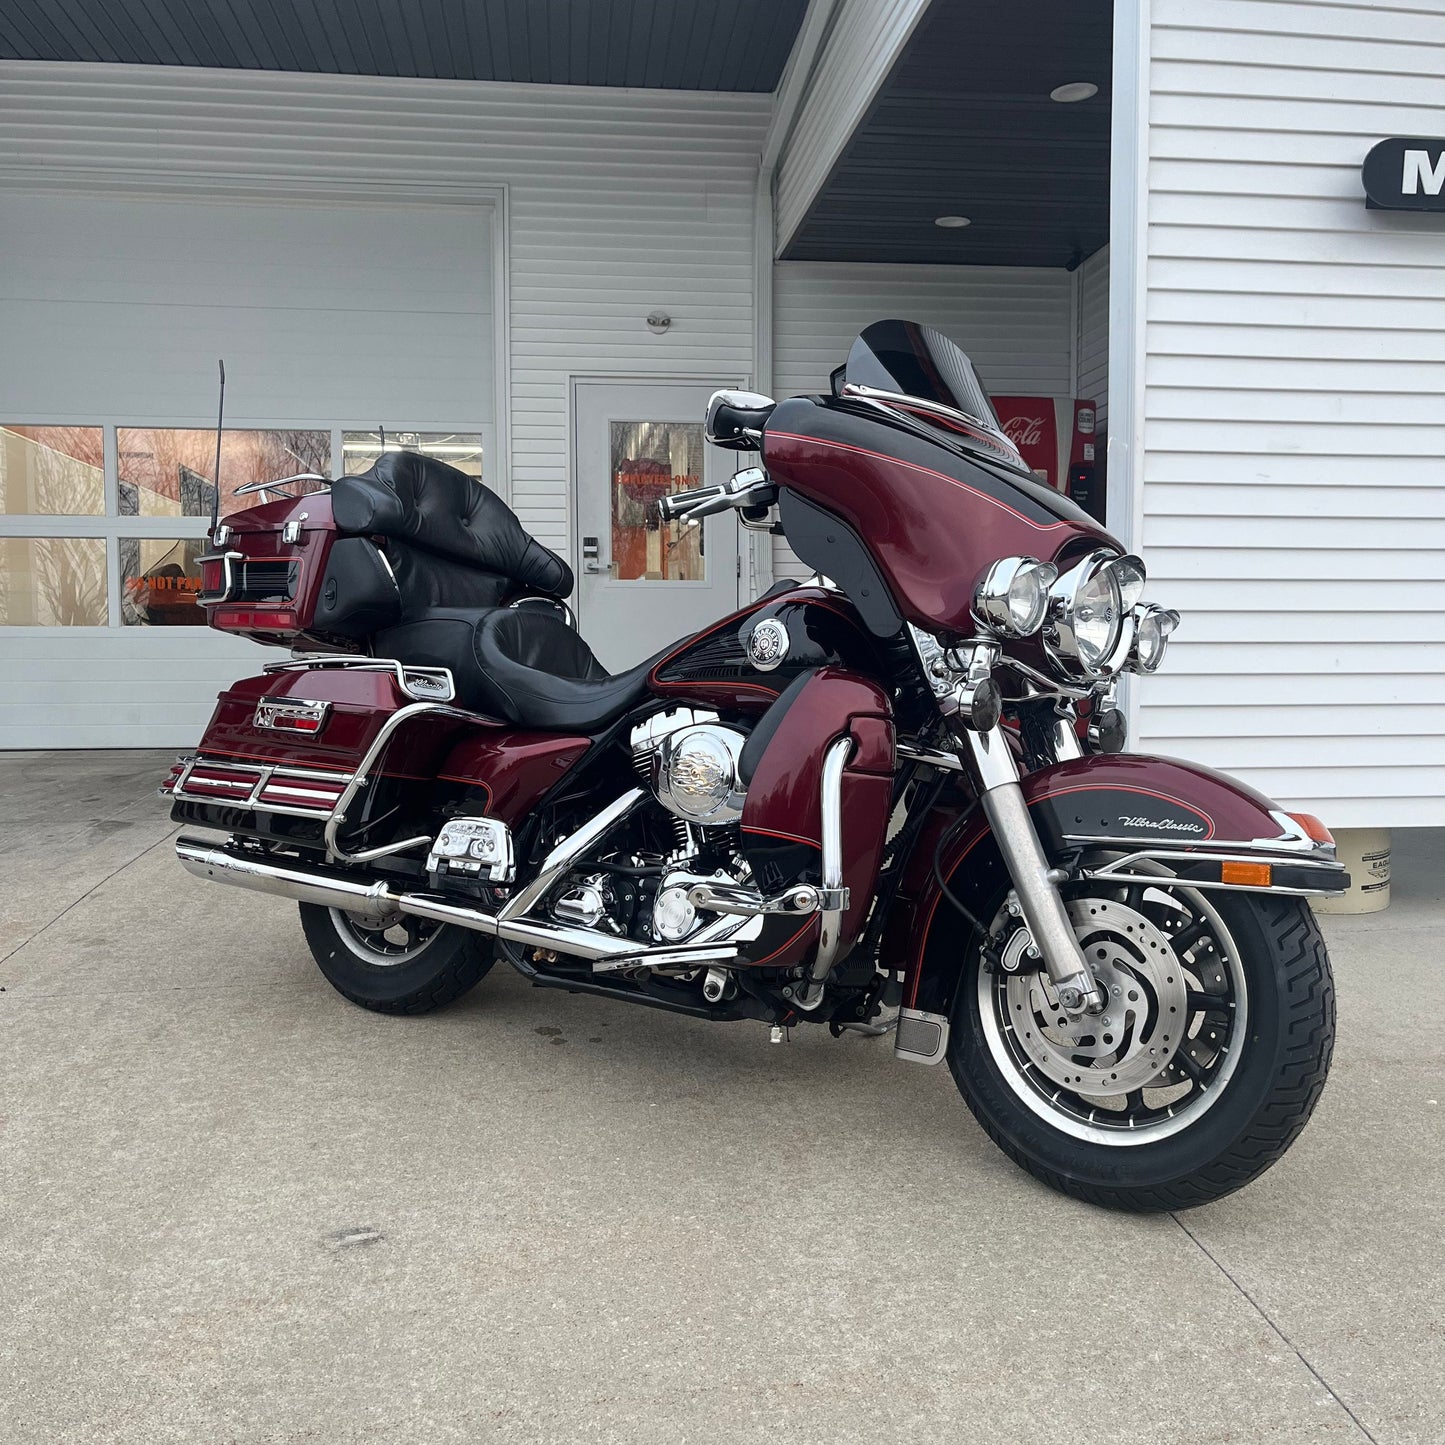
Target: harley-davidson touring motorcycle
<point x="895" y="796"/>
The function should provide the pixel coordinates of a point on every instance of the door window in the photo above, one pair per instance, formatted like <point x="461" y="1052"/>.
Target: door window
<point x="650" y="460"/>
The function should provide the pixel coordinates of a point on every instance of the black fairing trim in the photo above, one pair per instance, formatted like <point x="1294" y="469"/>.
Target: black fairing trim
<point x="830" y="546"/>
<point x="423" y="503"/>
<point x="358" y="596"/>
<point x="768" y="725"/>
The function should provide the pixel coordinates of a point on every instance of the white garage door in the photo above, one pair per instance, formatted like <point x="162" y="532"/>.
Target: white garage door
<point x="334" y="321"/>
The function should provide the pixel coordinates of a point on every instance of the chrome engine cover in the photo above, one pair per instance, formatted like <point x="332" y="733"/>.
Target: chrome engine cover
<point x="696" y="775"/>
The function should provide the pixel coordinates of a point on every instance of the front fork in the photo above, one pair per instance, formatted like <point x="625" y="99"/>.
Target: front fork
<point x="972" y="708"/>
<point x="1036" y="882"/>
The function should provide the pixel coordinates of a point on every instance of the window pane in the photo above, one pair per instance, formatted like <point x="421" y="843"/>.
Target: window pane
<point x="52" y="470"/>
<point x="52" y="582"/>
<point x="649" y="460"/>
<point x="160" y="578"/>
<point x="167" y="471"/>
<point x="462" y="450"/>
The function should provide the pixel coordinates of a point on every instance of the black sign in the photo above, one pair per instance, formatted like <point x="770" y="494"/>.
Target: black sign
<point x="1406" y="173"/>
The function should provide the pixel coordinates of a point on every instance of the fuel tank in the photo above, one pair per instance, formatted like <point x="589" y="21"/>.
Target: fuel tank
<point x="744" y="662"/>
<point x="906" y="521"/>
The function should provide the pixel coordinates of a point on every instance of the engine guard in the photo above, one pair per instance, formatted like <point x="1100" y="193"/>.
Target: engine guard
<point x="1165" y="818"/>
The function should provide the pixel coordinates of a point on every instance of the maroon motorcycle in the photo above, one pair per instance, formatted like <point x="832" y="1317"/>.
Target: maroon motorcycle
<point x="896" y="796"/>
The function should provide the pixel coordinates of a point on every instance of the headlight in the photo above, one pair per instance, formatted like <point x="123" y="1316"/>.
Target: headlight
<point x="1014" y="595"/>
<point x="1152" y="626"/>
<point x="1086" y="615"/>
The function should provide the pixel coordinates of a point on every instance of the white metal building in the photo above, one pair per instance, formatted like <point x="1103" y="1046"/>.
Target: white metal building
<point x="470" y="264"/>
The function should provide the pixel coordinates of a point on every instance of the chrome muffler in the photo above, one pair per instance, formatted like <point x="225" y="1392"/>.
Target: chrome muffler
<point x="327" y="889"/>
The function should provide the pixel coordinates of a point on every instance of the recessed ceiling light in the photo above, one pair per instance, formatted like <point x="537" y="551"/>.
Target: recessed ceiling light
<point x="951" y="223"/>
<point x="1075" y="90"/>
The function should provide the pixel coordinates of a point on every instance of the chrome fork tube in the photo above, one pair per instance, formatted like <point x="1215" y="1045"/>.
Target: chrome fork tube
<point x="1036" y="884"/>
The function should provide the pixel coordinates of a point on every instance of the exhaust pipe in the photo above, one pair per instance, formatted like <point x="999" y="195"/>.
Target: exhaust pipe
<point x="375" y="900"/>
<point x="371" y="900"/>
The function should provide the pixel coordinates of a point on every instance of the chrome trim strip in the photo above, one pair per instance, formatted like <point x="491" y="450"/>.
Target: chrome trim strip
<point x="879" y="397"/>
<point x="1213" y="845"/>
<point x="1120" y="870"/>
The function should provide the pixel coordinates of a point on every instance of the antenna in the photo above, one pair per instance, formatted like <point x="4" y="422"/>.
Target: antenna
<point x="382" y="430"/>
<point x="216" y="489"/>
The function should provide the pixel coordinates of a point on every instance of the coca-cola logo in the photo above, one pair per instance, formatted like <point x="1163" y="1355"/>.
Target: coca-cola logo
<point x="1024" y="431"/>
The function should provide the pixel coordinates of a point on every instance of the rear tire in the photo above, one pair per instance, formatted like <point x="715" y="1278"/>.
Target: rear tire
<point x="1216" y="1140"/>
<point x="400" y="966"/>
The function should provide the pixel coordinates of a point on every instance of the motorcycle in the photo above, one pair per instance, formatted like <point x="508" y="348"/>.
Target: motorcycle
<point x="894" y="797"/>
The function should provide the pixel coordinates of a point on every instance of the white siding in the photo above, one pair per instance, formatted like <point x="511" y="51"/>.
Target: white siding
<point x="1092" y="348"/>
<point x="865" y="39"/>
<point x="621" y="202"/>
<point x="1293" y="485"/>
<point x="1013" y="321"/>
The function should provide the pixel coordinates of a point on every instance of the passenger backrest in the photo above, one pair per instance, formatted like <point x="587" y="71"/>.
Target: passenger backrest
<point x="450" y="542"/>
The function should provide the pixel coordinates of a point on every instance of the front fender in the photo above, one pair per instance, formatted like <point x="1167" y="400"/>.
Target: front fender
<point x="1128" y="801"/>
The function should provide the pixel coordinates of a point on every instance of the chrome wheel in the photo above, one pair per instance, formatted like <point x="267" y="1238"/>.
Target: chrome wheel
<point x="1162" y="1050"/>
<point x="385" y="942"/>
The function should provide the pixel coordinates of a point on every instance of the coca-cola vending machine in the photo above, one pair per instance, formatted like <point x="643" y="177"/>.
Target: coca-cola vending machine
<point x="1057" y="438"/>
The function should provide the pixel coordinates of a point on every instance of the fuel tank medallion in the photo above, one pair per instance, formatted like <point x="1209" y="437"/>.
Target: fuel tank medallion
<point x="768" y="644"/>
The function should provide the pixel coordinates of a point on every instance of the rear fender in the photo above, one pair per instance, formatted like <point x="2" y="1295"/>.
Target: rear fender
<point x="1159" y="811"/>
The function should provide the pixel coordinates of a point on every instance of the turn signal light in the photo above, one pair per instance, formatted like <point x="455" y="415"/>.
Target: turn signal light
<point x="1316" y="830"/>
<point x="1249" y="875"/>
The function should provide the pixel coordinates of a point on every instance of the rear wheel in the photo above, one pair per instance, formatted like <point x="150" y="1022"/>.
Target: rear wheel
<point x="395" y="965"/>
<point x="1198" y="1074"/>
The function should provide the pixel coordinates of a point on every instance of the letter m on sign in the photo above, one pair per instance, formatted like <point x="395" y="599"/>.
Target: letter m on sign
<point x="1420" y="174"/>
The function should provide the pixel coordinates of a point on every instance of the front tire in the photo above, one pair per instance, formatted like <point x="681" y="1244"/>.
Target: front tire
<point x="400" y="965"/>
<point x="1248" y="975"/>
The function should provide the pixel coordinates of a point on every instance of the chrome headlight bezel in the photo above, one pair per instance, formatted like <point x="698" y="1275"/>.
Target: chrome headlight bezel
<point x="1150" y="622"/>
<point x="1088" y="657"/>
<point x="1012" y="597"/>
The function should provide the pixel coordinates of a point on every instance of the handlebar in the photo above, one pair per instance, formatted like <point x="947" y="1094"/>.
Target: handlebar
<point x="750" y="488"/>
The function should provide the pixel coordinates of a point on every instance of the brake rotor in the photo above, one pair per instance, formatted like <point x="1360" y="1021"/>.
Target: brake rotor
<point x="1135" y="1038"/>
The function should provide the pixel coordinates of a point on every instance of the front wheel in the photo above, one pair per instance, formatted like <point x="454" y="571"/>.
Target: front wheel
<point x="1202" y="1068"/>
<point x="395" y="965"/>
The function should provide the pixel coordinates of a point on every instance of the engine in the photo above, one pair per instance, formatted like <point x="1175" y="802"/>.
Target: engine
<point x="691" y="763"/>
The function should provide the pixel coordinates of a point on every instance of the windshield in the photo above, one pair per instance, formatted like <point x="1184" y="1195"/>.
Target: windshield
<point x="906" y="359"/>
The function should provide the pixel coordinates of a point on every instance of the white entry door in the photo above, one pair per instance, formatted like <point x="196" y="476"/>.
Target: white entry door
<point x="642" y="582"/>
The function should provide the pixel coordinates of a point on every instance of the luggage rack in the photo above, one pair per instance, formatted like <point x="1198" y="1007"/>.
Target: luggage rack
<point x="425" y="684"/>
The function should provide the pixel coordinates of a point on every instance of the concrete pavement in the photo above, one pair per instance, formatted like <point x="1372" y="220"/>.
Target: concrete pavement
<point x="233" y="1207"/>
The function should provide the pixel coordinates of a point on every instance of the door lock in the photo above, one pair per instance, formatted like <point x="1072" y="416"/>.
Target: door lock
<point x="591" y="559"/>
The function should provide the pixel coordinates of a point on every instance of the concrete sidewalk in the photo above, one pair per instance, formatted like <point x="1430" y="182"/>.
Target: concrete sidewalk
<point x="233" y="1207"/>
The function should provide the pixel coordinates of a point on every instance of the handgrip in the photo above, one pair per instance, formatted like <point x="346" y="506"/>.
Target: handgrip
<point x="696" y="502"/>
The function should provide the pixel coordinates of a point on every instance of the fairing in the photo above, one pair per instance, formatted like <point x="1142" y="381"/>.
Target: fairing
<point x="933" y="515"/>
<point x="782" y="822"/>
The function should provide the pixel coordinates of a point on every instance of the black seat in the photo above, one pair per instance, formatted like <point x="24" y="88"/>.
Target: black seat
<point x="473" y="589"/>
<point x="524" y="665"/>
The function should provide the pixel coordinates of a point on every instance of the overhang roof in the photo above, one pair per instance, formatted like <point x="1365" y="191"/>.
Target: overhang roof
<point x="738" y="45"/>
<point x="964" y="126"/>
